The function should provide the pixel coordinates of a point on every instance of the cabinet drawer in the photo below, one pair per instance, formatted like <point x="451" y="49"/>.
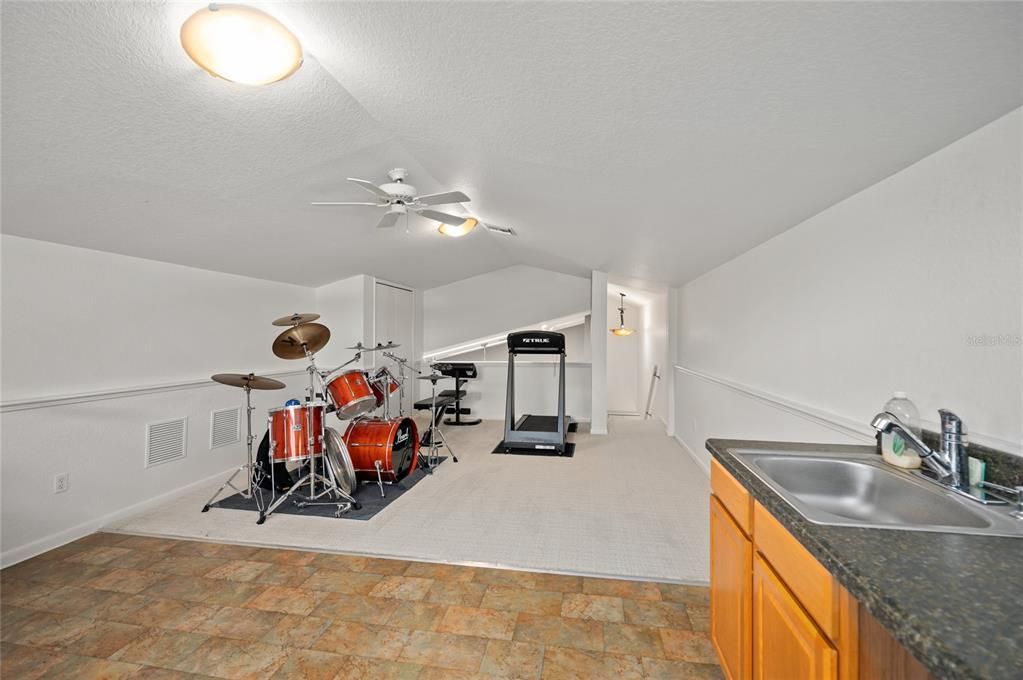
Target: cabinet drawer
<point x="732" y="495"/>
<point x="808" y="580"/>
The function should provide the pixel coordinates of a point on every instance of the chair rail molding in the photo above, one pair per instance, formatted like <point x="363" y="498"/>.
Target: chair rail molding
<point x="841" y="424"/>
<point x="120" y="392"/>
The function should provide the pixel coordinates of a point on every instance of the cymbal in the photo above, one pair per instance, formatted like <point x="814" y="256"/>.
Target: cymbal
<point x="433" y="377"/>
<point x="251" y="380"/>
<point x="289" y="344"/>
<point x="295" y="319"/>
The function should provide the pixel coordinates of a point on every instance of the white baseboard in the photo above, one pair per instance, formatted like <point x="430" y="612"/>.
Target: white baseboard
<point x="39" y="546"/>
<point x="704" y="465"/>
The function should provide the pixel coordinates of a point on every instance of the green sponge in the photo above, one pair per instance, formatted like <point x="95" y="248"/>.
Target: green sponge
<point x="977" y="469"/>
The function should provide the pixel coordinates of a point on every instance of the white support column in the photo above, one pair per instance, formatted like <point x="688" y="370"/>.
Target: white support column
<point x="669" y="371"/>
<point x="598" y="352"/>
<point x="369" y="331"/>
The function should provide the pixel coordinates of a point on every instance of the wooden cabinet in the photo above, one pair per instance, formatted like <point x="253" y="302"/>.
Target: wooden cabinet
<point x="787" y="643"/>
<point x="731" y="558"/>
<point x="777" y="613"/>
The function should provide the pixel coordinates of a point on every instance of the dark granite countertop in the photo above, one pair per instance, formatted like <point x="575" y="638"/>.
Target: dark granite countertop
<point x="954" y="601"/>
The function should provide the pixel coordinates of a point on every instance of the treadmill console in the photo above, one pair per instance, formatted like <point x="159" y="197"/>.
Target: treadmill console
<point x="536" y="342"/>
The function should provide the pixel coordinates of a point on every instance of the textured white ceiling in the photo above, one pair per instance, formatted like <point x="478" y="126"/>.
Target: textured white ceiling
<point x="651" y="140"/>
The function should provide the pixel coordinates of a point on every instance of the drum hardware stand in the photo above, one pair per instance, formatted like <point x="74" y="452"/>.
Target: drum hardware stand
<point x="435" y="432"/>
<point x="329" y="485"/>
<point x="380" y="477"/>
<point x="402" y="365"/>
<point x="254" y="473"/>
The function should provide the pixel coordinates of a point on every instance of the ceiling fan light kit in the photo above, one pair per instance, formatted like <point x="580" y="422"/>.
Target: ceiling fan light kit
<point x="457" y="230"/>
<point x="241" y="44"/>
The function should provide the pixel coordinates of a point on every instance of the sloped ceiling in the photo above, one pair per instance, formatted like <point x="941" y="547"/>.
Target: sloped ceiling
<point x="650" y="140"/>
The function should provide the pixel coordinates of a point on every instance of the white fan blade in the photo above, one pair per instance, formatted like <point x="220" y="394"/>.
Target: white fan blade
<point x="442" y="199"/>
<point x="378" y="205"/>
<point x="388" y="220"/>
<point x="371" y="188"/>
<point x="442" y="217"/>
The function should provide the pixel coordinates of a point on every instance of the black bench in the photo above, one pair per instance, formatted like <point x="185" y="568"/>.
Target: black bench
<point x="445" y="398"/>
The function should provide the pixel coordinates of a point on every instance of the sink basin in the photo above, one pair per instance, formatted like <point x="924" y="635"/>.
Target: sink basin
<point x="860" y="490"/>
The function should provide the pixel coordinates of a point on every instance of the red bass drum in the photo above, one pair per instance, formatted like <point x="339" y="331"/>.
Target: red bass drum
<point x="395" y="443"/>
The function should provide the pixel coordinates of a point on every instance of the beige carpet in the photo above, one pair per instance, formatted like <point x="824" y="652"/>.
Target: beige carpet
<point x="631" y="504"/>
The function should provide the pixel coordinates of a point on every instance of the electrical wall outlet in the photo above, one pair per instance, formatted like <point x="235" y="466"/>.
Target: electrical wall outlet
<point x="61" y="483"/>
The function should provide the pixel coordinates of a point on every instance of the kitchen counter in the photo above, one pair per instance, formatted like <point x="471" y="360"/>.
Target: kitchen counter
<point x="954" y="601"/>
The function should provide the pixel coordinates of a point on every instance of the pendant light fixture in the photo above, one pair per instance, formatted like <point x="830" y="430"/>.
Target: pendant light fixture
<point x="622" y="329"/>
<point x="456" y="230"/>
<point x="241" y="44"/>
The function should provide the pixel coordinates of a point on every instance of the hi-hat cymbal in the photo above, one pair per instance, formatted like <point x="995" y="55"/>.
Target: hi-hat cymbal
<point x="250" y="380"/>
<point x="293" y="343"/>
<point x="295" y="319"/>
<point x="434" y="377"/>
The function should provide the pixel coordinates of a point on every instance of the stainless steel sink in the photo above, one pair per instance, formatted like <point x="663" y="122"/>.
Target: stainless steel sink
<point x="861" y="490"/>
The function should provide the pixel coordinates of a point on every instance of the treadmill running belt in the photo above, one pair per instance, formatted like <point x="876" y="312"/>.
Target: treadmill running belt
<point x="538" y="423"/>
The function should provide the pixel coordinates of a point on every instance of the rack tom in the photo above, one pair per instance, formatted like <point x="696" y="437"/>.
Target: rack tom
<point x="350" y="392"/>
<point x="383" y="383"/>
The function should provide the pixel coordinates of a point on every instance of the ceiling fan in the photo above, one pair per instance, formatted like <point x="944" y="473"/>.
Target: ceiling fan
<point x="399" y="198"/>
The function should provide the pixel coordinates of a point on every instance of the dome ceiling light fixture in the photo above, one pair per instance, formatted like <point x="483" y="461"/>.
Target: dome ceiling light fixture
<point x="241" y="44"/>
<point x="457" y="230"/>
<point x="622" y="329"/>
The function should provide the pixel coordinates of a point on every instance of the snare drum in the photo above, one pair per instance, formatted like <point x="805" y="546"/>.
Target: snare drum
<point x="382" y="380"/>
<point x="289" y="436"/>
<point x="395" y="443"/>
<point x="350" y="392"/>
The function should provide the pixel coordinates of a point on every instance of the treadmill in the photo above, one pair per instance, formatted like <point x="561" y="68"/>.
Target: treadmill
<point x="536" y="433"/>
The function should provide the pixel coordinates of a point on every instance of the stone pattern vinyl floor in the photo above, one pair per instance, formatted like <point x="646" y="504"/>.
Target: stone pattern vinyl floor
<point x="126" y="606"/>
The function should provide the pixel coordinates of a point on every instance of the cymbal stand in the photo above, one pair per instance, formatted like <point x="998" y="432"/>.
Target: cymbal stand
<point x="402" y="365"/>
<point x="344" y="501"/>
<point x="435" y="431"/>
<point x="253" y="491"/>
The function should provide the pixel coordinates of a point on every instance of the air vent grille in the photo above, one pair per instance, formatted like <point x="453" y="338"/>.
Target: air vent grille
<point x="165" y="441"/>
<point x="225" y="427"/>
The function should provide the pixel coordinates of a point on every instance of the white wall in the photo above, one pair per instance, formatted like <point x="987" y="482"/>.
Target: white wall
<point x="598" y="352"/>
<point x="77" y="322"/>
<point x="339" y="305"/>
<point x="655" y="354"/>
<point x="576" y="348"/>
<point x="884" y="291"/>
<point x="624" y="366"/>
<point x="494" y="302"/>
<point x="631" y="359"/>
<point x="536" y="389"/>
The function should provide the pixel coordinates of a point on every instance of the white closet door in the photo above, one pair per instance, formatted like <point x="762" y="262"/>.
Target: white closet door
<point x="394" y="309"/>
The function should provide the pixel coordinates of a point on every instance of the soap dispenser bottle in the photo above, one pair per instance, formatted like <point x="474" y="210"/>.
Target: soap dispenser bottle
<point x="894" y="449"/>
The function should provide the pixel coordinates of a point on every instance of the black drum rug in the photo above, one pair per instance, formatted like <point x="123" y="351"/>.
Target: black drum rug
<point x="368" y="496"/>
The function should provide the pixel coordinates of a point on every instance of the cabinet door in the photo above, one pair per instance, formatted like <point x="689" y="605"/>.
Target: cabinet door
<point x="786" y="643"/>
<point x="731" y="593"/>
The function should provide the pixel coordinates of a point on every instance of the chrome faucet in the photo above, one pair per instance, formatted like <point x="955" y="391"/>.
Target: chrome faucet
<point x="950" y="462"/>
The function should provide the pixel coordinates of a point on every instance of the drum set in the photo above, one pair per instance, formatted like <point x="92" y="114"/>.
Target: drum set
<point x="381" y="450"/>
